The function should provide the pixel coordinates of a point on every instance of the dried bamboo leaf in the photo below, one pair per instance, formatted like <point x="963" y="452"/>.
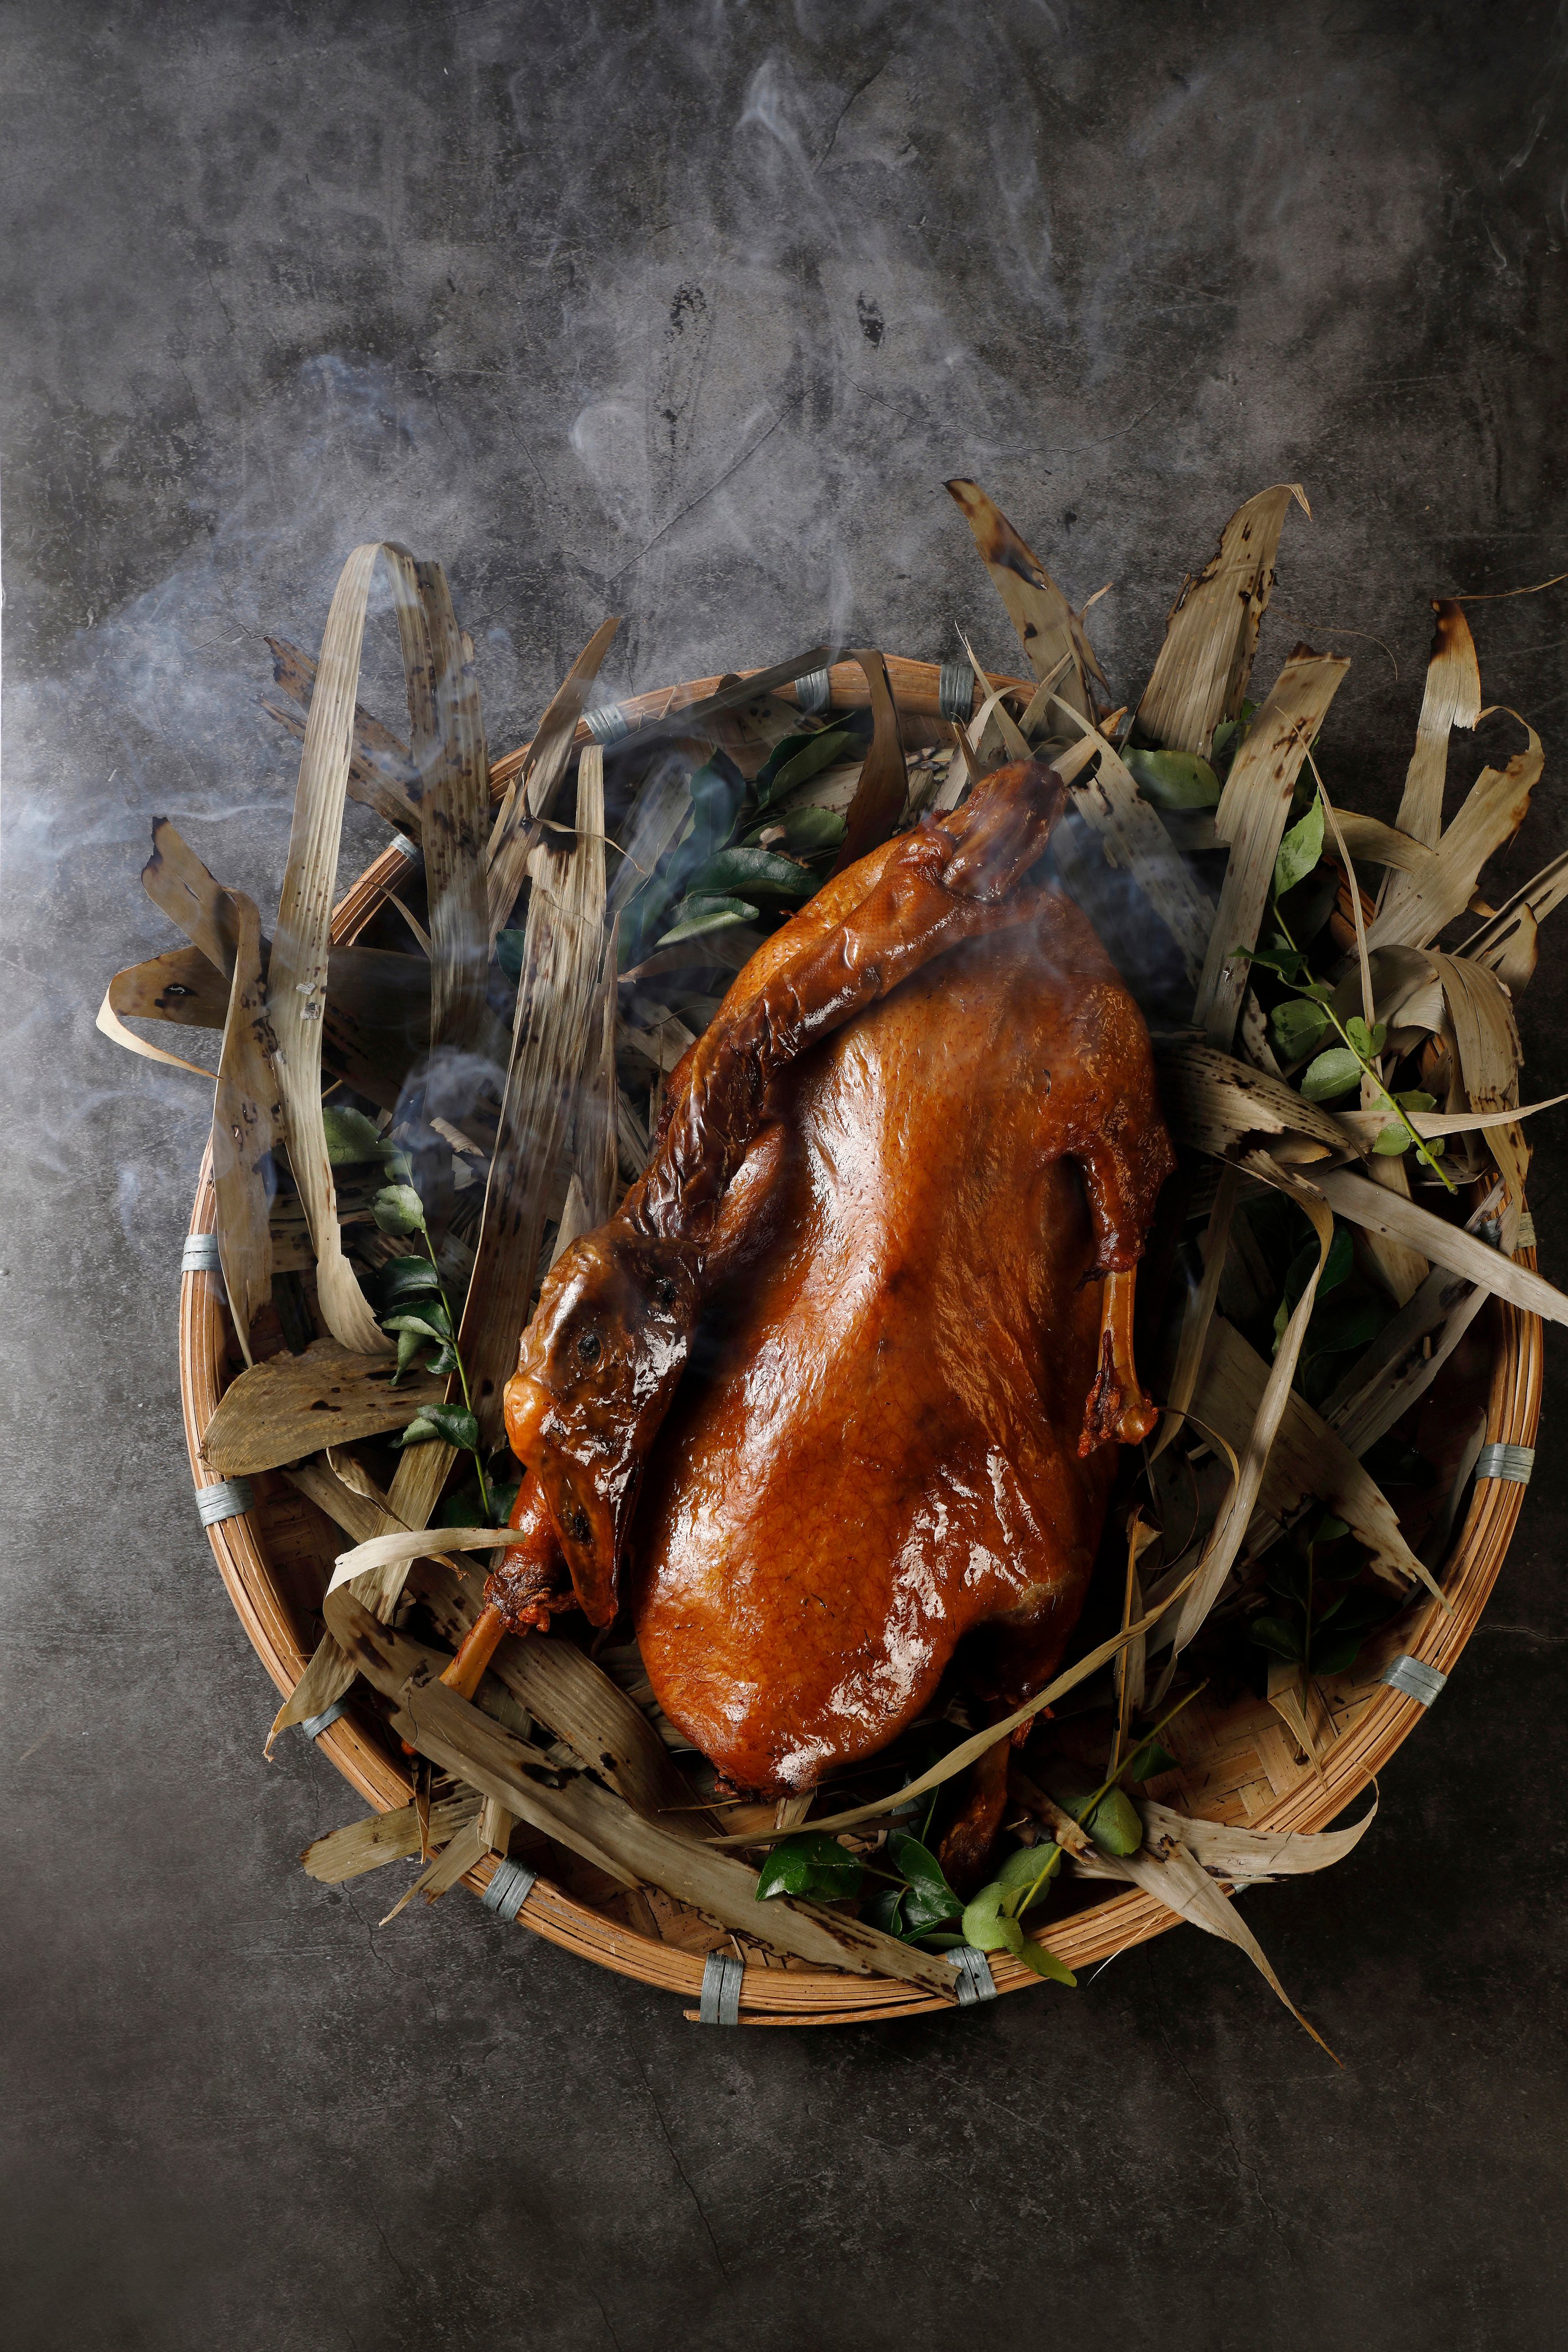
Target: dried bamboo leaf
<point x="290" y="1406"/>
<point x="1047" y="627"/>
<point x="1199" y="1312"/>
<point x="1487" y="1052"/>
<point x="381" y="772"/>
<point x="1506" y="944"/>
<point x="1230" y="1529"/>
<point x="183" y="986"/>
<point x="449" y="745"/>
<point x="1451" y="698"/>
<point x="469" y="1847"/>
<point x="884" y="784"/>
<point x="599" y="1825"/>
<point x="1366" y="1125"/>
<point x="422" y="1472"/>
<point x="1239" y="1855"/>
<point x="109" y="1025"/>
<point x="1302" y="1709"/>
<point x="1307" y="1458"/>
<point x="1134" y="841"/>
<point x="1200" y="676"/>
<point x="297" y="979"/>
<point x="359" y="1846"/>
<point x="1251" y="818"/>
<point x="1216" y="1104"/>
<point x="554" y="1681"/>
<point x="1372" y="842"/>
<point x="1401" y="1270"/>
<point x="1404" y="1360"/>
<point x="531" y="795"/>
<point x="1174" y="1877"/>
<point x="196" y="902"/>
<point x="554" y="1032"/>
<point x="1417" y="907"/>
<point x="246" y="1124"/>
<point x="1351" y="1195"/>
<point x="398" y="1547"/>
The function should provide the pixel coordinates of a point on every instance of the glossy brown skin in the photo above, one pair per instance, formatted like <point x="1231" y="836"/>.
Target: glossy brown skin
<point x="877" y="1450"/>
<point x="902" y="1184"/>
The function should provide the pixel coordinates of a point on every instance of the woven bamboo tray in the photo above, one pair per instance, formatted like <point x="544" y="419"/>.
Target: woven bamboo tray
<point x="1237" y="1765"/>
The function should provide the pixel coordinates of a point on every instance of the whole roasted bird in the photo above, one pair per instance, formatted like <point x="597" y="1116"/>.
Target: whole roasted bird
<point x="838" y="1386"/>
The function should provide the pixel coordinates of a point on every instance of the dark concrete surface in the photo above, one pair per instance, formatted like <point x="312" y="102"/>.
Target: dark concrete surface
<point x="685" y="313"/>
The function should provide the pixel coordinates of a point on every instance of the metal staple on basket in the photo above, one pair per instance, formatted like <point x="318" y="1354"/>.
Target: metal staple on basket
<point x="313" y="1726"/>
<point x="230" y="1498"/>
<point x="1414" y="1678"/>
<point x="200" y="1255"/>
<point x="720" y="2004"/>
<point x="608" y="723"/>
<point x="1513" y="1463"/>
<point x="510" y="1883"/>
<point x="955" y="689"/>
<point x="976" y="1981"/>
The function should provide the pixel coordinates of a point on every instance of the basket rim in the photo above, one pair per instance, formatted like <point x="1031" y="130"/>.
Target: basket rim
<point x="1434" y="1637"/>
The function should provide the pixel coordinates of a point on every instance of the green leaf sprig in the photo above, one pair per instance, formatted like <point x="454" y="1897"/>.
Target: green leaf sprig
<point x="415" y="1306"/>
<point x="1338" y="1067"/>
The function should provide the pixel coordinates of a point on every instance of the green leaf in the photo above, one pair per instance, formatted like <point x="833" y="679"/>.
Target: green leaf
<point x="1329" y="1529"/>
<point x="419" y="1432"/>
<point x="1337" y="1654"/>
<point x="1273" y="1635"/>
<point x="1415" y="1100"/>
<point x="1172" y="780"/>
<point x="1045" y="1964"/>
<point x="987" y="1927"/>
<point x="398" y="1209"/>
<point x="408" y="1277"/>
<point x="1115" y="1825"/>
<point x="444" y="1361"/>
<point x="1148" y="1762"/>
<point x="810" y="1864"/>
<point x="931" y="1898"/>
<point x="1333" y="1072"/>
<point x="696" y="915"/>
<point x="427" y="1316"/>
<point x="1392" y="1140"/>
<point x="803" y="757"/>
<point x="454" y="1424"/>
<point x="1301" y="850"/>
<point x="409" y="1342"/>
<point x="1367" y="1041"/>
<point x="1347" y="1322"/>
<point x="755" y="871"/>
<point x="509" y="952"/>
<point x="1227" y="738"/>
<point x="884" y="1910"/>
<point x="812" y="831"/>
<point x="350" y="1137"/>
<point x="1027" y="1875"/>
<point x="1298" y="1025"/>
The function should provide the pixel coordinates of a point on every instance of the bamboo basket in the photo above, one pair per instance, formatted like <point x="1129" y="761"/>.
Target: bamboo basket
<point x="1237" y="1765"/>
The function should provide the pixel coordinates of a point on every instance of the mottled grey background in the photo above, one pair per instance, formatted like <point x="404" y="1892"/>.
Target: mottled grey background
<point x="685" y="313"/>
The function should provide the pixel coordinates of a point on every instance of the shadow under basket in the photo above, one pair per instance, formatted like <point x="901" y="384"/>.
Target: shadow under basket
<point x="1238" y="1763"/>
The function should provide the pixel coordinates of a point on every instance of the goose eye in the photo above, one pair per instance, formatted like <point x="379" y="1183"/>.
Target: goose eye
<point x="664" y="1291"/>
<point x="588" y="1346"/>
